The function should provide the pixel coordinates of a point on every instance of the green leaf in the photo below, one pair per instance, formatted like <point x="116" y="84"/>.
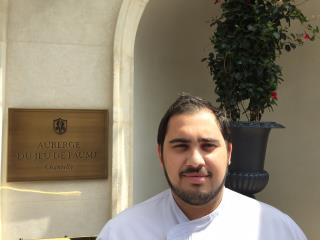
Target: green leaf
<point x="276" y="35"/>
<point x="251" y="28"/>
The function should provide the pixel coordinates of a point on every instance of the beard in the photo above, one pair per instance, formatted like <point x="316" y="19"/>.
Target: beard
<point x="193" y="197"/>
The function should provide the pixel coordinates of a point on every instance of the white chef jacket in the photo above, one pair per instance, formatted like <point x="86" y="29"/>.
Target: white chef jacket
<point x="237" y="217"/>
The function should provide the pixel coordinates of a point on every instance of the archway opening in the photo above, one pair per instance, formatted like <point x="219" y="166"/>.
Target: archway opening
<point x="172" y="38"/>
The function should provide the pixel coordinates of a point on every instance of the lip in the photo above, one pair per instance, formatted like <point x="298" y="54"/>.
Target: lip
<point x="195" y="178"/>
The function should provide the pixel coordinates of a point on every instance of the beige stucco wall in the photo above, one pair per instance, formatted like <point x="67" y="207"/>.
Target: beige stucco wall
<point x="293" y="153"/>
<point x="59" y="54"/>
<point x="2" y="63"/>
<point x="172" y="38"/>
<point x="3" y="8"/>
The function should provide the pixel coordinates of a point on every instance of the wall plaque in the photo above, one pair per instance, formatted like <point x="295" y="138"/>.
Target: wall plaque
<point x="52" y="144"/>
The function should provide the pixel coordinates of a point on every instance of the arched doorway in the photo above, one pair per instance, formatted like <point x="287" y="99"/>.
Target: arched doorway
<point x="165" y="53"/>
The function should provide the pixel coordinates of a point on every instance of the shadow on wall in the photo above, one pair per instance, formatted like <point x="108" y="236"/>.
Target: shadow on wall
<point x="30" y="207"/>
<point x="66" y="238"/>
<point x="167" y="61"/>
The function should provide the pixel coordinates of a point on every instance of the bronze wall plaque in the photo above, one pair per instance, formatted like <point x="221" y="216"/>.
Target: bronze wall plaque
<point x="52" y="144"/>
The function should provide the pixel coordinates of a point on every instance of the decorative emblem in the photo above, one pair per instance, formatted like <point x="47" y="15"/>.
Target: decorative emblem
<point x="60" y="126"/>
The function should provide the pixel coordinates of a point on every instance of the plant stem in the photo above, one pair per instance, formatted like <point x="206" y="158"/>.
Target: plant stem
<point x="244" y="110"/>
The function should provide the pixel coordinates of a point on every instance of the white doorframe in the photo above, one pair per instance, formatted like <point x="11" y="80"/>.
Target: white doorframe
<point x="122" y="146"/>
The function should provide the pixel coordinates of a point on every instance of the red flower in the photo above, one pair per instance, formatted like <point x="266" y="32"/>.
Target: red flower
<point x="306" y="36"/>
<point x="274" y="95"/>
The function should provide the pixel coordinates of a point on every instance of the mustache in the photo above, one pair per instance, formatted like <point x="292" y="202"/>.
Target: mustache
<point x="200" y="169"/>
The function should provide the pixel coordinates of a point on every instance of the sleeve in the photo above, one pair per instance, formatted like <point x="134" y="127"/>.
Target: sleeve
<point x="295" y="230"/>
<point x="105" y="233"/>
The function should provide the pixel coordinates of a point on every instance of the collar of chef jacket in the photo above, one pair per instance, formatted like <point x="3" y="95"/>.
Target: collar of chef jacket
<point x="190" y="229"/>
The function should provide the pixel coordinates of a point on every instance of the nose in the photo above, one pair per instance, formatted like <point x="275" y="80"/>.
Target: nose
<point x="195" y="159"/>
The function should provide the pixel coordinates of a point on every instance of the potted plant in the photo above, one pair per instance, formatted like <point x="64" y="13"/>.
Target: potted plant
<point x="247" y="39"/>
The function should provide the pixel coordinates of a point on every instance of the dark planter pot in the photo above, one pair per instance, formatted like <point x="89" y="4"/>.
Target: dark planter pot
<point x="246" y="172"/>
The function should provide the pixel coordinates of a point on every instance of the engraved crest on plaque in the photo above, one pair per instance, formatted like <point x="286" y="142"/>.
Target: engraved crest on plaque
<point x="60" y="126"/>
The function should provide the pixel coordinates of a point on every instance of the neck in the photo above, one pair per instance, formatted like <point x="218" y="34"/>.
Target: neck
<point x="197" y="211"/>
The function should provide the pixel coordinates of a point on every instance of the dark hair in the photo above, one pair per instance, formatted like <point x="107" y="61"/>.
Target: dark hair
<point x="187" y="103"/>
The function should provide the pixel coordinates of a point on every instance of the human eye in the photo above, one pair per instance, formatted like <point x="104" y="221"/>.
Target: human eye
<point x="208" y="147"/>
<point x="180" y="146"/>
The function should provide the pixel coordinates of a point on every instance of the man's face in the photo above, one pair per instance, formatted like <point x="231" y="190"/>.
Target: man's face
<point x="195" y="156"/>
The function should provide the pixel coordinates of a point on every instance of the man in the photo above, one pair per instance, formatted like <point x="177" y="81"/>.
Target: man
<point x="194" y="149"/>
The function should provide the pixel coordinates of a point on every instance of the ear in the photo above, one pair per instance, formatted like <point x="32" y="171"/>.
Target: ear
<point x="159" y="154"/>
<point x="229" y="149"/>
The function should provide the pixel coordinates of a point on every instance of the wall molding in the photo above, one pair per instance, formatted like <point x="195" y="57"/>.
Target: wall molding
<point x="122" y="149"/>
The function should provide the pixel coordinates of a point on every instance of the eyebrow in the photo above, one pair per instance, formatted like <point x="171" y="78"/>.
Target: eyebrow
<point x="179" y="140"/>
<point x="209" y="140"/>
<point x="184" y="140"/>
